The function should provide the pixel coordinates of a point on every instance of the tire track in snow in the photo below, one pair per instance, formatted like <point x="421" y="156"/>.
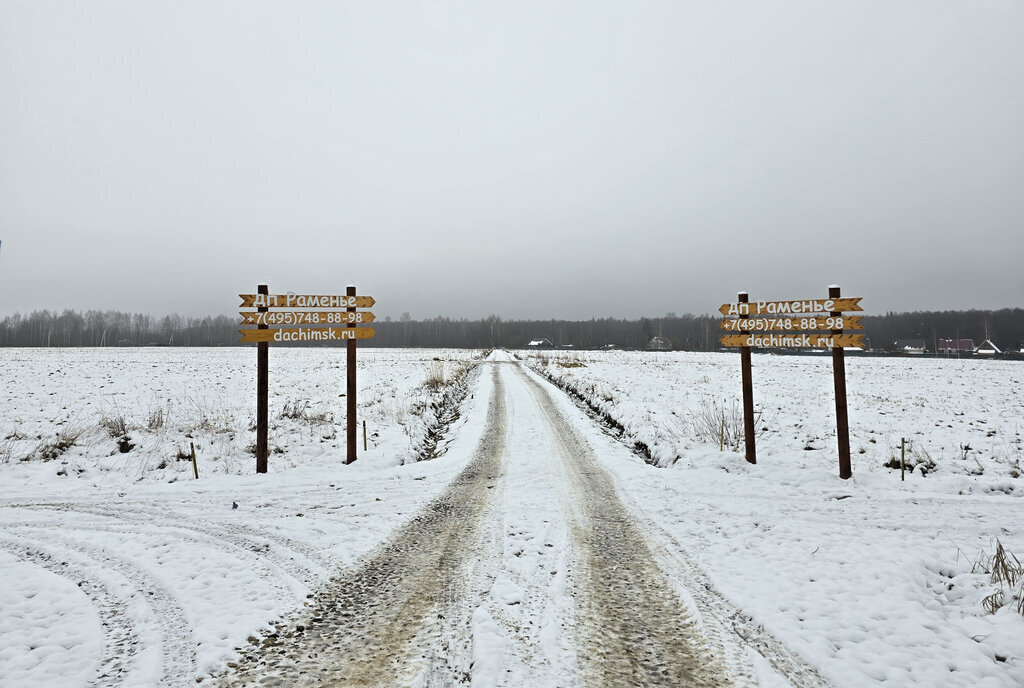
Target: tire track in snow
<point x="288" y="554"/>
<point x="638" y="631"/>
<point x="403" y="615"/>
<point x="722" y="621"/>
<point x="123" y="644"/>
<point x="726" y="619"/>
<point x="177" y="648"/>
<point x="525" y="628"/>
<point x="276" y="570"/>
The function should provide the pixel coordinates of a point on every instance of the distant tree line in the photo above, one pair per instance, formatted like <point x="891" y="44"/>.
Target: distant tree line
<point x="113" y="328"/>
<point x="1004" y="327"/>
<point x="679" y="332"/>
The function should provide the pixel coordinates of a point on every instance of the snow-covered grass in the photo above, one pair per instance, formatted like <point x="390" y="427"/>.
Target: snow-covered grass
<point x="959" y="417"/>
<point x="116" y="414"/>
<point x="874" y="580"/>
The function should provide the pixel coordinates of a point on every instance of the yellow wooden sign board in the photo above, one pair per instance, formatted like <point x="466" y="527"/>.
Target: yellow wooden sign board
<point x="788" y="323"/>
<point x="307" y="318"/>
<point x="305" y="301"/>
<point x="786" y="308"/>
<point x="794" y="341"/>
<point x="306" y="334"/>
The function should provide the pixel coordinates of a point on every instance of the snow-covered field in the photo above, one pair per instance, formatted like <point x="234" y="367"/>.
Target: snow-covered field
<point x="108" y="554"/>
<point x="874" y="580"/>
<point x="158" y="401"/>
<point x="88" y="531"/>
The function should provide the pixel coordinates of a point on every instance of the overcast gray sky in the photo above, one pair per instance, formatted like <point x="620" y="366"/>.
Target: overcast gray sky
<point x="528" y="159"/>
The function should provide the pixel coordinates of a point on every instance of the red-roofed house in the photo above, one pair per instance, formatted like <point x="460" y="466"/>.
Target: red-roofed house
<point x="956" y="346"/>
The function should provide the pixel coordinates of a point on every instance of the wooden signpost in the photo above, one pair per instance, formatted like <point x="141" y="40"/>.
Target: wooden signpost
<point x="787" y="324"/>
<point x="304" y="309"/>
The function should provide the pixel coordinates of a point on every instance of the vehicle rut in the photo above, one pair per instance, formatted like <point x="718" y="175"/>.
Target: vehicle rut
<point x="724" y="624"/>
<point x="401" y="616"/>
<point x="121" y="641"/>
<point x="176" y="645"/>
<point x="300" y="560"/>
<point x="636" y="630"/>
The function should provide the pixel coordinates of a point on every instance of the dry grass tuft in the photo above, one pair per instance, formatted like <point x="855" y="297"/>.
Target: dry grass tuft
<point x="53" y="449"/>
<point x="302" y="411"/>
<point x="116" y="425"/>
<point x="721" y="423"/>
<point x="1005" y="570"/>
<point x="435" y="375"/>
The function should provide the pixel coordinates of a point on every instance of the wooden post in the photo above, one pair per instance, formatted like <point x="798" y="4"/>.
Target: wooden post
<point x="364" y="435"/>
<point x="903" y="458"/>
<point x="195" y="465"/>
<point x="748" y="391"/>
<point x="350" y="364"/>
<point x="262" y="389"/>
<point x="839" y="373"/>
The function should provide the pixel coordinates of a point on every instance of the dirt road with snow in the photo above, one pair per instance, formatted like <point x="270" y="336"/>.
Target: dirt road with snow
<point x="635" y="629"/>
<point x="395" y="616"/>
<point x="527" y="570"/>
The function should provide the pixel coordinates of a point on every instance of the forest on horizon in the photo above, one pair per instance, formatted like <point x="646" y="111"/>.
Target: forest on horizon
<point x="69" y="328"/>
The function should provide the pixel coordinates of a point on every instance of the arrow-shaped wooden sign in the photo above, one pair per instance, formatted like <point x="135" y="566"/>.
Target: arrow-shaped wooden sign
<point x="794" y="341"/>
<point x="798" y="307"/>
<point x="305" y="301"/>
<point x="334" y="317"/>
<point x="306" y="334"/>
<point x="805" y="323"/>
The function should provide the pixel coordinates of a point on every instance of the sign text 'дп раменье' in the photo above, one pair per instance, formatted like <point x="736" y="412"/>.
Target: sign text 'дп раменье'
<point x="291" y="300"/>
<point x="795" y="307"/>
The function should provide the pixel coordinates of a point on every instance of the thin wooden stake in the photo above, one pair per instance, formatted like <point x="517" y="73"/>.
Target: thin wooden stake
<point x="350" y="364"/>
<point x="364" y="435"/>
<point x="262" y="393"/>
<point x="748" y="393"/>
<point x="903" y="456"/>
<point x="842" y="421"/>
<point x="195" y="465"/>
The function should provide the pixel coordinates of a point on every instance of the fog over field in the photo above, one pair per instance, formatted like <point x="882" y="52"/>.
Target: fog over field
<point x="523" y="159"/>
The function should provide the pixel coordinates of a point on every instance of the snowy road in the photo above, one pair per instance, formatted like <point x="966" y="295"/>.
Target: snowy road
<point x="401" y="611"/>
<point x="526" y="570"/>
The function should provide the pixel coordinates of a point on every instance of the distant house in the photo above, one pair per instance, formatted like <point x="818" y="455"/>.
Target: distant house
<point x="910" y="346"/>
<point x="659" y="344"/>
<point x="540" y="344"/>
<point x="987" y="348"/>
<point x="956" y="346"/>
